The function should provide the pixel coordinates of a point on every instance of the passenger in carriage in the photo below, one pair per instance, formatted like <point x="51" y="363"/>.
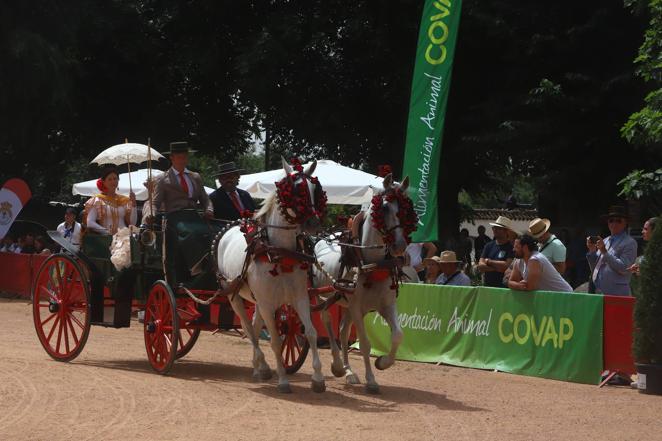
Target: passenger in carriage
<point x="179" y="188"/>
<point x="108" y="212"/>
<point x="229" y="201"/>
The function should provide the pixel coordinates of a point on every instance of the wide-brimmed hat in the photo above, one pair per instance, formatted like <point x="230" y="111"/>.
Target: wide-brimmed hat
<point x="503" y="222"/>
<point x="228" y="168"/>
<point x="538" y="227"/>
<point x="446" y="257"/>
<point x="616" y="211"/>
<point x="179" y="147"/>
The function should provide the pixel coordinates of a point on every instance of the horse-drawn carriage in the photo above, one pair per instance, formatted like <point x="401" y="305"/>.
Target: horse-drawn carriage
<point x="185" y="274"/>
<point x="76" y="289"/>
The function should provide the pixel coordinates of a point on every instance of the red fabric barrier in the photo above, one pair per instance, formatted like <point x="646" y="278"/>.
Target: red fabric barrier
<point x="618" y="326"/>
<point x="16" y="273"/>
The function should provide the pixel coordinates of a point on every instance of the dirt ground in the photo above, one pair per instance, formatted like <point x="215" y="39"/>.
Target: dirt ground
<point x="110" y="393"/>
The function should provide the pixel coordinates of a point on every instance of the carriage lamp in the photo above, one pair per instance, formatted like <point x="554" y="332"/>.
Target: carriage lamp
<point x="53" y="306"/>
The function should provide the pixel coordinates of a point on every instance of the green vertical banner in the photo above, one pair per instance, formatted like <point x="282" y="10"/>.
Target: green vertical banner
<point x="427" y="110"/>
<point x="542" y="334"/>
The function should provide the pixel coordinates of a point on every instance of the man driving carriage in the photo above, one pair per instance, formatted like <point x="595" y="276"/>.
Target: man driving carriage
<point x="179" y="188"/>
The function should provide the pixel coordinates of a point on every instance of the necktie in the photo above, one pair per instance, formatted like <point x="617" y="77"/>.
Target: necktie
<point x="235" y="201"/>
<point x="183" y="183"/>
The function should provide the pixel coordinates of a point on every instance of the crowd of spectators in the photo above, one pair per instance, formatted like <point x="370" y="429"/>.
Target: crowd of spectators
<point x="536" y="259"/>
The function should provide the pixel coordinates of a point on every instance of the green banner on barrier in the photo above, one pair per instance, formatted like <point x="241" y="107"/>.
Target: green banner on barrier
<point x="543" y="334"/>
<point x="427" y="110"/>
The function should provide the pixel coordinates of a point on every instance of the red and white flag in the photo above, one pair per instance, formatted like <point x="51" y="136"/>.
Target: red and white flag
<point x="13" y="197"/>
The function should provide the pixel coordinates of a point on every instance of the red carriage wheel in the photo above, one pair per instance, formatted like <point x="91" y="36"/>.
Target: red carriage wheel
<point x="161" y="327"/>
<point x="186" y="340"/>
<point x="294" y="346"/>
<point x="61" y="307"/>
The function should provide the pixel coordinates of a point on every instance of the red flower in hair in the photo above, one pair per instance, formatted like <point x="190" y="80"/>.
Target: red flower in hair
<point x="383" y="170"/>
<point x="101" y="186"/>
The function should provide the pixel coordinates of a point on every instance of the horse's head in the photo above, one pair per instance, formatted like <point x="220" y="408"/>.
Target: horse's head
<point x="393" y="215"/>
<point x="300" y="196"/>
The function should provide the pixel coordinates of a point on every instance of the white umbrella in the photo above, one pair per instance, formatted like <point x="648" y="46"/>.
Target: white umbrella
<point x="126" y="154"/>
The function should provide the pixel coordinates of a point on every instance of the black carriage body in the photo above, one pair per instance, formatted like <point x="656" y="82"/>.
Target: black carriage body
<point x="180" y="243"/>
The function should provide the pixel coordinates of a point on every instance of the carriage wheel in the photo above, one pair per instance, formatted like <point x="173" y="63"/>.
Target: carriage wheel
<point x="186" y="341"/>
<point x="294" y="347"/>
<point x="61" y="307"/>
<point x="161" y="327"/>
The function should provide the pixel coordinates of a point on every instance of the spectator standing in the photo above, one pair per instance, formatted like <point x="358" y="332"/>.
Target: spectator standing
<point x="28" y="246"/>
<point x="415" y="253"/>
<point x="449" y="270"/>
<point x="70" y="229"/>
<point x="533" y="271"/>
<point x="646" y="233"/>
<point x="497" y="254"/>
<point x="480" y="242"/>
<point x="40" y="246"/>
<point x="610" y="258"/>
<point x="550" y="245"/>
<point x="464" y="246"/>
<point x="8" y="244"/>
<point x="20" y="243"/>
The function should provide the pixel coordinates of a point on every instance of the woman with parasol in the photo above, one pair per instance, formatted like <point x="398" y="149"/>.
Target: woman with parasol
<point x="108" y="212"/>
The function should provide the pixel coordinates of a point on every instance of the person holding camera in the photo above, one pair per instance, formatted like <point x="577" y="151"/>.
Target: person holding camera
<point x="610" y="258"/>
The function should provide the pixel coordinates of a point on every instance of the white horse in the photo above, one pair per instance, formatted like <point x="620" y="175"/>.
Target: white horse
<point x="269" y="284"/>
<point x="371" y="293"/>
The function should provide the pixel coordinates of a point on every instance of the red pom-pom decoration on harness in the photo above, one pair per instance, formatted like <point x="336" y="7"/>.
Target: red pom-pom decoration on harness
<point x="295" y="197"/>
<point x="406" y="215"/>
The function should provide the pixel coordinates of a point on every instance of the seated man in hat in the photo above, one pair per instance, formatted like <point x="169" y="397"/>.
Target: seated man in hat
<point x="446" y="270"/>
<point x="610" y="258"/>
<point x="229" y="201"/>
<point x="179" y="188"/>
<point x="550" y="245"/>
<point x="498" y="254"/>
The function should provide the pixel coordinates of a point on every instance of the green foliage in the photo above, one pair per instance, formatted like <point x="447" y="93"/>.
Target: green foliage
<point x="640" y="183"/>
<point x="645" y="126"/>
<point x="207" y="166"/>
<point x="647" y="345"/>
<point x="643" y="185"/>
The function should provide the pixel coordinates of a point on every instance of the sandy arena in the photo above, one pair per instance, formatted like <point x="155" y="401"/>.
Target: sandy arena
<point x="110" y="393"/>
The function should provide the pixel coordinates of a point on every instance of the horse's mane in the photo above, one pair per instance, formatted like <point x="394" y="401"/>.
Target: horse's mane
<point x="268" y="204"/>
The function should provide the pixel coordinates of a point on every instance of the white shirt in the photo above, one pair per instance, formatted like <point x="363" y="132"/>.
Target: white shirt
<point x="550" y="279"/>
<point x="74" y="238"/>
<point x="414" y="251"/>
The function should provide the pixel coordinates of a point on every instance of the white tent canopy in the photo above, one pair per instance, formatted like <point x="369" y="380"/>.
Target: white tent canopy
<point x="343" y="185"/>
<point x="89" y="188"/>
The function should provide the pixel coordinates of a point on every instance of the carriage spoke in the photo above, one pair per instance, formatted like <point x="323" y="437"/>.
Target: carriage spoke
<point x="59" y="337"/>
<point x="50" y="334"/>
<point x="71" y="327"/>
<point x="49" y="319"/>
<point x="78" y="322"/>
<point x="66" y="334"/>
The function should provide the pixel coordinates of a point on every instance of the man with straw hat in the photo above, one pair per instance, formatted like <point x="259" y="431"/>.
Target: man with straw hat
<point x="498" y="254"/>
<point x="550" y="246"/>
<point x="448" y="269"/>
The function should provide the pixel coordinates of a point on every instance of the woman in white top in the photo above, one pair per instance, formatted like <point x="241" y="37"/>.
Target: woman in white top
<point x="108" y="212"/>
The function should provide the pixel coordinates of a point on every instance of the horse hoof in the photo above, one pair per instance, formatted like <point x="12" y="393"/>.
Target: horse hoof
<point x="337" y="371"/>
<point x="352" y="379"/>
<point x="318" y="386"/>
<point x="265" y="375"/>
<point x="380" y="363"/>
<point x="372" y="389"/>
<point x="284" y="388"/>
